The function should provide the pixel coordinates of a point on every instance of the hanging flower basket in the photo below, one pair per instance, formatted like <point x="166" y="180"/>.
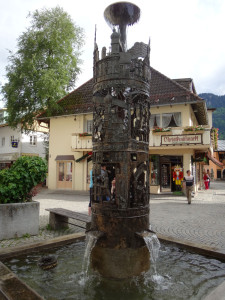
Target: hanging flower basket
<point x="215" y="136"/>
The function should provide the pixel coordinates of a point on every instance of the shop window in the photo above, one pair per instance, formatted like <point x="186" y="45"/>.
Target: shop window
<point x="154" y="165"/>
<point x="154" y="121"/>
<point x="171" y="120"/>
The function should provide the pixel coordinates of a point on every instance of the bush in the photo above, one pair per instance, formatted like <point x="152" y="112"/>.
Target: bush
<point x="17" y="183"/>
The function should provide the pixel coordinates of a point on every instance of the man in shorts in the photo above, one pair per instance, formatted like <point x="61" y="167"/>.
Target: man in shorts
<point x="189" y="180"/>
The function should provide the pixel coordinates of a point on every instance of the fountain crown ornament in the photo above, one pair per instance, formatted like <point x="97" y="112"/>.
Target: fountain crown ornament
<point x="122" y="14"/>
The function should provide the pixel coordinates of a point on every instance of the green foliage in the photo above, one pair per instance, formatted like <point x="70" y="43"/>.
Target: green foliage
<point x="218" y="102"/>
<point x="45" y="66"/>
<point x="17" y="183"/>
<point x="26" y="236"/>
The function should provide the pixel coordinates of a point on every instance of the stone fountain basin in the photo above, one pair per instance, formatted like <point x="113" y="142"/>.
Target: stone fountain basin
<point x="62" y="241"/>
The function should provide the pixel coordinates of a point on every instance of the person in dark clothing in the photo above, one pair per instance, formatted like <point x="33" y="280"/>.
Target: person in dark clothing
<point x="189" y="180"/>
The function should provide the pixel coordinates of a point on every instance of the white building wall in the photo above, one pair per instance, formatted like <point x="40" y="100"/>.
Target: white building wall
<point x="27" y="146"/>
<point x="8" y="153"/>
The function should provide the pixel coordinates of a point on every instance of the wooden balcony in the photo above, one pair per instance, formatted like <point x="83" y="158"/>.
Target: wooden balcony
<point x="81" y="142"/>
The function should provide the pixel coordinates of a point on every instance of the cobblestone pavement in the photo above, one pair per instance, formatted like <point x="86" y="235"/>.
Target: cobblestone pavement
<point x="202" y="222"/>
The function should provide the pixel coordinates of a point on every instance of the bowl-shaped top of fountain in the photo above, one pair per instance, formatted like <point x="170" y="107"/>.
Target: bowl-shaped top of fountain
<point x="122" y="13"/>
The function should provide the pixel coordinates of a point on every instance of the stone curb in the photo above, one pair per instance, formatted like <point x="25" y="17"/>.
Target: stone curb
<point x="40" y="246"/>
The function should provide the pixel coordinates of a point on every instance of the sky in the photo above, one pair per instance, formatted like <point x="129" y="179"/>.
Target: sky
<point x="187" y="36"/>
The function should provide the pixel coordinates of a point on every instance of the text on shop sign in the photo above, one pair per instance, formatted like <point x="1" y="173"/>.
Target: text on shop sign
<point x="182" y="139"/>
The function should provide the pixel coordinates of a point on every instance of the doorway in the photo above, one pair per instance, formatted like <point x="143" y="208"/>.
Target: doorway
<point x="166" y="177"/>
<point x="64" y="174"/>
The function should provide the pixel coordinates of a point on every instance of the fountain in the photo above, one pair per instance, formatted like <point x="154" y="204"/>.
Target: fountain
<point x="119" y="243"/>
<point x="121" y="150"/>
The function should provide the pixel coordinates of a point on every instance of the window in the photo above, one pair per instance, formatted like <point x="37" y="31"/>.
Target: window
<point x="89" y="126"/>
<point x="219" y="174"/>
<point x="154" y="121"/>
<point x="221" y="156"/>
<point x="12" y="139"/>
<point x="33" y="140"/>
<point x="3" y="141"/>
<point x="171" y="120"/>
<point x="154" y="176"/>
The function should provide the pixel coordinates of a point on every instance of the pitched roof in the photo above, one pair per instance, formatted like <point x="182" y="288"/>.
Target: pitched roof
<point x="163" y="91"/>
<point x="187" y="83"/>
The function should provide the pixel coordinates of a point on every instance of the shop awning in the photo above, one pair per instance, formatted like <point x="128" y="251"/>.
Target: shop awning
<point x="215" y="161"/>
<point x="64" y="157"/>
<point x="84" y="156"/>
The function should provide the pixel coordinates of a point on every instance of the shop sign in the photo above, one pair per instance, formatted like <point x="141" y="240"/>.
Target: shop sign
<point x="15" y="144"/>
<point x="181" y="139"/>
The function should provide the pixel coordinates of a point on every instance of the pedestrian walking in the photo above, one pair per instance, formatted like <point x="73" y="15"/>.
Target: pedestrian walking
<point x="209" y="178"/>
<point x="206" y="181"/>
<point x="189" y="180"/>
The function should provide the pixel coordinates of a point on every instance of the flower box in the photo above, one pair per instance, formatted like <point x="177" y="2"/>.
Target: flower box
<point x="84" y="134"/>
<point x="159" y="129"/>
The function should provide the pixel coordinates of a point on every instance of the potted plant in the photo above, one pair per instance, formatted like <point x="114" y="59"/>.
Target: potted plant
<point x="19" y="215"/>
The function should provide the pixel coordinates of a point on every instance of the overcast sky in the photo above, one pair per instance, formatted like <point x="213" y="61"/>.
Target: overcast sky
<point x="187" y="36"/>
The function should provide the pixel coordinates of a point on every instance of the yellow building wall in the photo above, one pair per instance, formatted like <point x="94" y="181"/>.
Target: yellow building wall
<point x="187" y="115"/>
<point x="61" y="130"/>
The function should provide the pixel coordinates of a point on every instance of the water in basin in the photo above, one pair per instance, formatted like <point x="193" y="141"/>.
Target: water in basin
<point x="178" y="274"/>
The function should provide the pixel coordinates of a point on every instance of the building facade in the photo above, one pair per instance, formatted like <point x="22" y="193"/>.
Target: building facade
<point x="216" y="163"/>
<point x="180" y="136"/>
<point x="14" y="143"/>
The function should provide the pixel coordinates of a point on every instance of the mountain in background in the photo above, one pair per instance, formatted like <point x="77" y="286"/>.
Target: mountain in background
<point x="218" y="102"/>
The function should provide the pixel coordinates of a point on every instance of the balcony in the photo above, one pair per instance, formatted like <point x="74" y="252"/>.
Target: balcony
<point x="81" y="142"/>
<point x="180" y="136"/>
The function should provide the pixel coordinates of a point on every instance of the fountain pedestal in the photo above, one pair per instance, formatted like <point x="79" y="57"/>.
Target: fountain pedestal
<point x="120" y="252"/>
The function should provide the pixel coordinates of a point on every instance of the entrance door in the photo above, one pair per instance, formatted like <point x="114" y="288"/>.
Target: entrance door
<point x="64" y="174"/>
<point x="166" y="177"/>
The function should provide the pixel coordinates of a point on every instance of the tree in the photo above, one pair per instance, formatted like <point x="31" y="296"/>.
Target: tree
<point x="44" y="68"/>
